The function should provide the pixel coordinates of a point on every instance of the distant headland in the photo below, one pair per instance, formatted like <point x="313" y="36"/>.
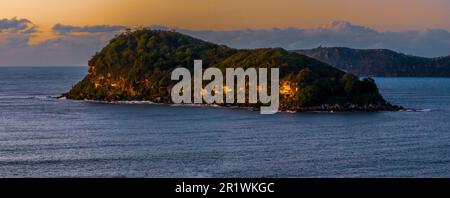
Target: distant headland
<point x="380" y="62"/>
<point x="137" y="66"/>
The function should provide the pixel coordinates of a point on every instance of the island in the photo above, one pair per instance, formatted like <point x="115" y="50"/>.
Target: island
<point x="137" y="65"/>
<point x="380" y="62"/>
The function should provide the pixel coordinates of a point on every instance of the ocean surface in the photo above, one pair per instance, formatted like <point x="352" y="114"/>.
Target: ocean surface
<point x="45" y="137"/>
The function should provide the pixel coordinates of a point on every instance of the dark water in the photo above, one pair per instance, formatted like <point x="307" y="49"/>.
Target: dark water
<point x="44" y="137"/>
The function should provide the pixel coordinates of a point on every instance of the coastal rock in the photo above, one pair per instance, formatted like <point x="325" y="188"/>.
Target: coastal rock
<point x="136" y="66"/>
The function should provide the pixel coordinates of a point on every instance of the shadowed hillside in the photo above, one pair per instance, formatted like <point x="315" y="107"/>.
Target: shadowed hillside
<point x="380" y="62"/>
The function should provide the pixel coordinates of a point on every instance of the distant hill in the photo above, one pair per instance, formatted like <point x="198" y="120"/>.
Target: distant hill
<point x="380" y="62"/>
<point x="137" y="66"/>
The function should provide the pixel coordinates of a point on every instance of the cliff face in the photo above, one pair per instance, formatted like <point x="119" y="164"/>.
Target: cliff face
<point x="380" y="62"/>
<point x="137" y="66"/>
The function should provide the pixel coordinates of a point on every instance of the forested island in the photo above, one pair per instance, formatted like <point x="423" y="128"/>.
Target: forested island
<point x="137" y="65"/>
<point x="380" y="62"/>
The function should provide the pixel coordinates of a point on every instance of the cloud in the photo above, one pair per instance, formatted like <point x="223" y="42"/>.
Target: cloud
<point x="68" y="48"/>
<point x="428" y="43"/>
<point x="16" y="25"/>
<point x="61" y="51"/>
<point x="15" y="33"/>
<point x="69" y="29"/>
<point x="75" y="45"/>
<point x="347" y="28"/>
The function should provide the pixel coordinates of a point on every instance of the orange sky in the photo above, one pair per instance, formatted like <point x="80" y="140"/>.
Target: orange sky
<point x="387" y="15"/>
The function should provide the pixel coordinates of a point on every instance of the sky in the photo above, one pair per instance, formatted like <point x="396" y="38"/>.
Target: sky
<point x="68" y="32"/>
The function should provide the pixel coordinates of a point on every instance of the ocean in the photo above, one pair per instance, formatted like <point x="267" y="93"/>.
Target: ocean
<point x="45" y="137"/>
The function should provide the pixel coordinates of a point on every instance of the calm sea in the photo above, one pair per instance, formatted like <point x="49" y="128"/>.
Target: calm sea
<point x="45" y="137"/>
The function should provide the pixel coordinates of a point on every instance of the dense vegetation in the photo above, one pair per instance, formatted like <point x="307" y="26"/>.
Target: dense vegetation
<point x="137" y="66"/>
<point x="380" y="62"/>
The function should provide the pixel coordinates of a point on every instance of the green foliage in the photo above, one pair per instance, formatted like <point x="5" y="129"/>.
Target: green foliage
<point x="137" y="66"/>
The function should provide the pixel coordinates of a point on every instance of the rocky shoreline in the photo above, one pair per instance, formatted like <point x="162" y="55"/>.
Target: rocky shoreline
<point x="322" y="108"/>
<point x="352" y="108"/>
